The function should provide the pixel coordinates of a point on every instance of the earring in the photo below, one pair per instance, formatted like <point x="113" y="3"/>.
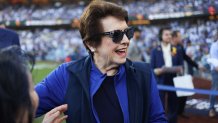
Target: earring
<point x="93" y="50"/>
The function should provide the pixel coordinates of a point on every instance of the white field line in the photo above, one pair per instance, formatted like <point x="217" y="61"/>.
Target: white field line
<point x="44" y="66"/>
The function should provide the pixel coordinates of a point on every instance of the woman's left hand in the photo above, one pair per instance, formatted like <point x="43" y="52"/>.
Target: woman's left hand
<point x="54" y="116"/>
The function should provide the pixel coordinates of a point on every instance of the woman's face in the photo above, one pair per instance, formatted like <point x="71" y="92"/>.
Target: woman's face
<point x="108" y="52"/>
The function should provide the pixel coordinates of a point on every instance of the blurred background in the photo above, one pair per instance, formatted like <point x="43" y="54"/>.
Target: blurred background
<point x="48" y="30"/>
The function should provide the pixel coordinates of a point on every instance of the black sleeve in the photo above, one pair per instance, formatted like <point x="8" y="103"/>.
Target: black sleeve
<point x="188" y="59"/>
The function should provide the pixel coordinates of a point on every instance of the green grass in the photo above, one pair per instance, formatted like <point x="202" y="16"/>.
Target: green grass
<point x="38" y="120"/>
<point x="41" y="70"/>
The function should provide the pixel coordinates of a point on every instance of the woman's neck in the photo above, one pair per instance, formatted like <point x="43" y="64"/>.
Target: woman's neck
<point x="105" y="66"/>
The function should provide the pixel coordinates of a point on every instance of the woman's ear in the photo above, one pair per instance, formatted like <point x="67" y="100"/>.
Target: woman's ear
<point x="91" y="48"/>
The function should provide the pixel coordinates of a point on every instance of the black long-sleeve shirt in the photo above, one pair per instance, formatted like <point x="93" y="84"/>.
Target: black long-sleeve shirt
<point x="186" y="57"/>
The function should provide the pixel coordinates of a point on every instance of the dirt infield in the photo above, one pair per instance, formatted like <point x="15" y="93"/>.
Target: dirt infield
<point x="198" y="119"/>
<point x="196" y="115"/>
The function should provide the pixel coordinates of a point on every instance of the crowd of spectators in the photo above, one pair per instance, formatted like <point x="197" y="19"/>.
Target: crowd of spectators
<point x="33" y="12"/>
<point x="168" y="6"/>
<point x="71" y="11"/>
<point x="56" y="45"/>
<point x="50" y="44"/>
<point x="53" y="45"/>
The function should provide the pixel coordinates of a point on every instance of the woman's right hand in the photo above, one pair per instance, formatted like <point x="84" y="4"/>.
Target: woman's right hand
<point x="53" y="116"/>
<point x="158" y="71"/>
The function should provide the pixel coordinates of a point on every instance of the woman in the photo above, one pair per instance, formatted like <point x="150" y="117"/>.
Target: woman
<point x="18" y="99"/>
<point x="103" y="87"/>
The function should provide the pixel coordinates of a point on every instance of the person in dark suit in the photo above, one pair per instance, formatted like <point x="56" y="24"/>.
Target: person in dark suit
<point x="167" y="62"/>
<point x="177" y="41"/>
<point x="8" y="38"/>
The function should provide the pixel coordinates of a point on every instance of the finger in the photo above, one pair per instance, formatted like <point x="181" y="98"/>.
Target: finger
<point x="61" y="119"/>
<point x="63" y="108"/>
<point x="51" y="118"/>
<point x="60" y="108"/>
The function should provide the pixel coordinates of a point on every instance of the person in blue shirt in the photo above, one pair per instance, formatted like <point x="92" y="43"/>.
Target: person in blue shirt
<point x="8" y="38"/>
<point x="104" y="87"/>
<point x="214" y="74"/>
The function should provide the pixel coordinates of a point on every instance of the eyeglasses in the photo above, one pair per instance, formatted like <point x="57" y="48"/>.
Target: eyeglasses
<point x="117" y="35"/>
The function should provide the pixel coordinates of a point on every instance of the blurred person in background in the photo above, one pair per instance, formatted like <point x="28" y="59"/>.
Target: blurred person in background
<point x="167" y="62"/>
<point x="8" y="37"/>
<point x="11" y="38"/>
<point x="76" y="55"/>
<point x="190" y="52"/>
<point x="214" y="73"/>
<point x="177" y="41"/>
<point x="135" y="51"/>
<point x="18" y="99"/>
<point x="104" y="87"/>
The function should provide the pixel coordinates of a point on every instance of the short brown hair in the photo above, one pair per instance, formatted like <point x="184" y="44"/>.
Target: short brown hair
<point x="175" y="33"/>
<point x="161" y="32"/>
<point x="90" y="20"/>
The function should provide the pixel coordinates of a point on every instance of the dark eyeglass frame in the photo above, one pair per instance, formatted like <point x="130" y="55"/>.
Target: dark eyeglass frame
<point x="117" y="35"/>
